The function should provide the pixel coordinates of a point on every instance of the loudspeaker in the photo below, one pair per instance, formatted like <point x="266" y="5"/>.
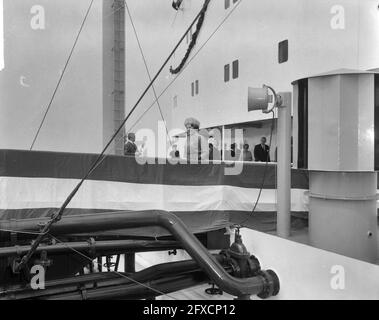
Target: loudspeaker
<point x="258" y="99"/>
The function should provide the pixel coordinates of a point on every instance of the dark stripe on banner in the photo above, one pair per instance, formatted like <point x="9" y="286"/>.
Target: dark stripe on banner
<point x="36" y="164"/>
<point x="198" y="222"/>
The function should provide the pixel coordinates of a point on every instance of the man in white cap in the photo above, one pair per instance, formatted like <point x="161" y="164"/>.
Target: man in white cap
<point x="196" y="147"/>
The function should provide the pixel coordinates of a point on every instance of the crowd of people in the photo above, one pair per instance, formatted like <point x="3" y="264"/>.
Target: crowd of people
<point x="261" y="152"/>
<point x="198" y="147"/>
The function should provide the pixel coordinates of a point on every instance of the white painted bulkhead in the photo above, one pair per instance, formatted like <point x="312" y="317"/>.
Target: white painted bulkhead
<point x="323" y="35"/>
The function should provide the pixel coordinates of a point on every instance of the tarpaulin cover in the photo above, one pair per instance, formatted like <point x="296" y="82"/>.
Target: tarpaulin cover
<point x="35" y="184"/>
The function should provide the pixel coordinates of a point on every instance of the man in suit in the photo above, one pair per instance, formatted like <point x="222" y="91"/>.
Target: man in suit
<point x="130" y="147"/>
<point x="262" y="151"/>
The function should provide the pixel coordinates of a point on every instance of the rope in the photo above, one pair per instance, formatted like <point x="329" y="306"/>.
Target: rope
<point x="21" y="232"/>
<point x="101" y="157"/>
<point x="147" y="68"/>
<point x="60" y="80"/>
<point x="90" y="260"/>
<point x="193" y="40"/>
<point x="61" y="76"/>
<point x="189" y="62"/>
<point x="115" y="272"/>
<point x="264" y="176"/>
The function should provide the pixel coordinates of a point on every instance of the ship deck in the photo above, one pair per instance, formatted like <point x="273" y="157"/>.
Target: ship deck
<point x="299" y="236"/>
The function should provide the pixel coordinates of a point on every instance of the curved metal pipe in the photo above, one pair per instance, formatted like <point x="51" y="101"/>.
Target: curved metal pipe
<point x="133" y="291"/>
<point x="107" y="279"/>
<point x="116" y="290"/>
<point x="264" y="285"/>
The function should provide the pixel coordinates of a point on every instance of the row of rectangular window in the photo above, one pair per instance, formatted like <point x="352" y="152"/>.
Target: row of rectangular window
<point x="235" y="71"/>
<point x="282" y="57"/>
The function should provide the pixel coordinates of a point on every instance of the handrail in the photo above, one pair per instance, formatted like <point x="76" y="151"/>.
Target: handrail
<point x="265" y="284"/>
<point x="111" y="246"/>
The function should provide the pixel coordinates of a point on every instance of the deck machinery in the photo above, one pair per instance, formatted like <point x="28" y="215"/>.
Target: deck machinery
<point x="65" y="256"/>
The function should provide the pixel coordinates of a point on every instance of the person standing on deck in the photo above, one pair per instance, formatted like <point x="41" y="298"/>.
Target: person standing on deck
<point x="214" y="152"/>
<point x="130" y="148"/>
<point x="196" y="147"/>
<point x="174" y="152"/>
<point x="246" y="154"/>
<point x="262" y="151"/>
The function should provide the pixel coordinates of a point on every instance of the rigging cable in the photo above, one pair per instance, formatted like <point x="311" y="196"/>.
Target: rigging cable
<point x="147" y="68"/>
<point x="114" y="11"/>
<point x="174" y="20"/>
<point x="90" y="260"/>
<point x="115" y="272"/>
<point x="189" y="62"/>
<point x="263" y="178"/>
<point x="62" y="75"/>
<point x="100" y="158"/>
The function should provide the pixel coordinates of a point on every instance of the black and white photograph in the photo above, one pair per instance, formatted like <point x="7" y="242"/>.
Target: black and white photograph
<point x="193" y="156"/>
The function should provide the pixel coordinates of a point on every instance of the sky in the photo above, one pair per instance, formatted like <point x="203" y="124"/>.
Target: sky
<point x="34" y="59"/>
<point x="1" y="37"/>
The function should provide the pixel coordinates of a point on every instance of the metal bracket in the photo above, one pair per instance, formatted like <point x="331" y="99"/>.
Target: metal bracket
<point x="43" y="260"/>
<point x="278" y="101"/>
<point x="173" y="252"/>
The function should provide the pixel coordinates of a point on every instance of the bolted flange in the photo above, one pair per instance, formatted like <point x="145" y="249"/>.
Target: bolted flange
<point x="271" y="286"/>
